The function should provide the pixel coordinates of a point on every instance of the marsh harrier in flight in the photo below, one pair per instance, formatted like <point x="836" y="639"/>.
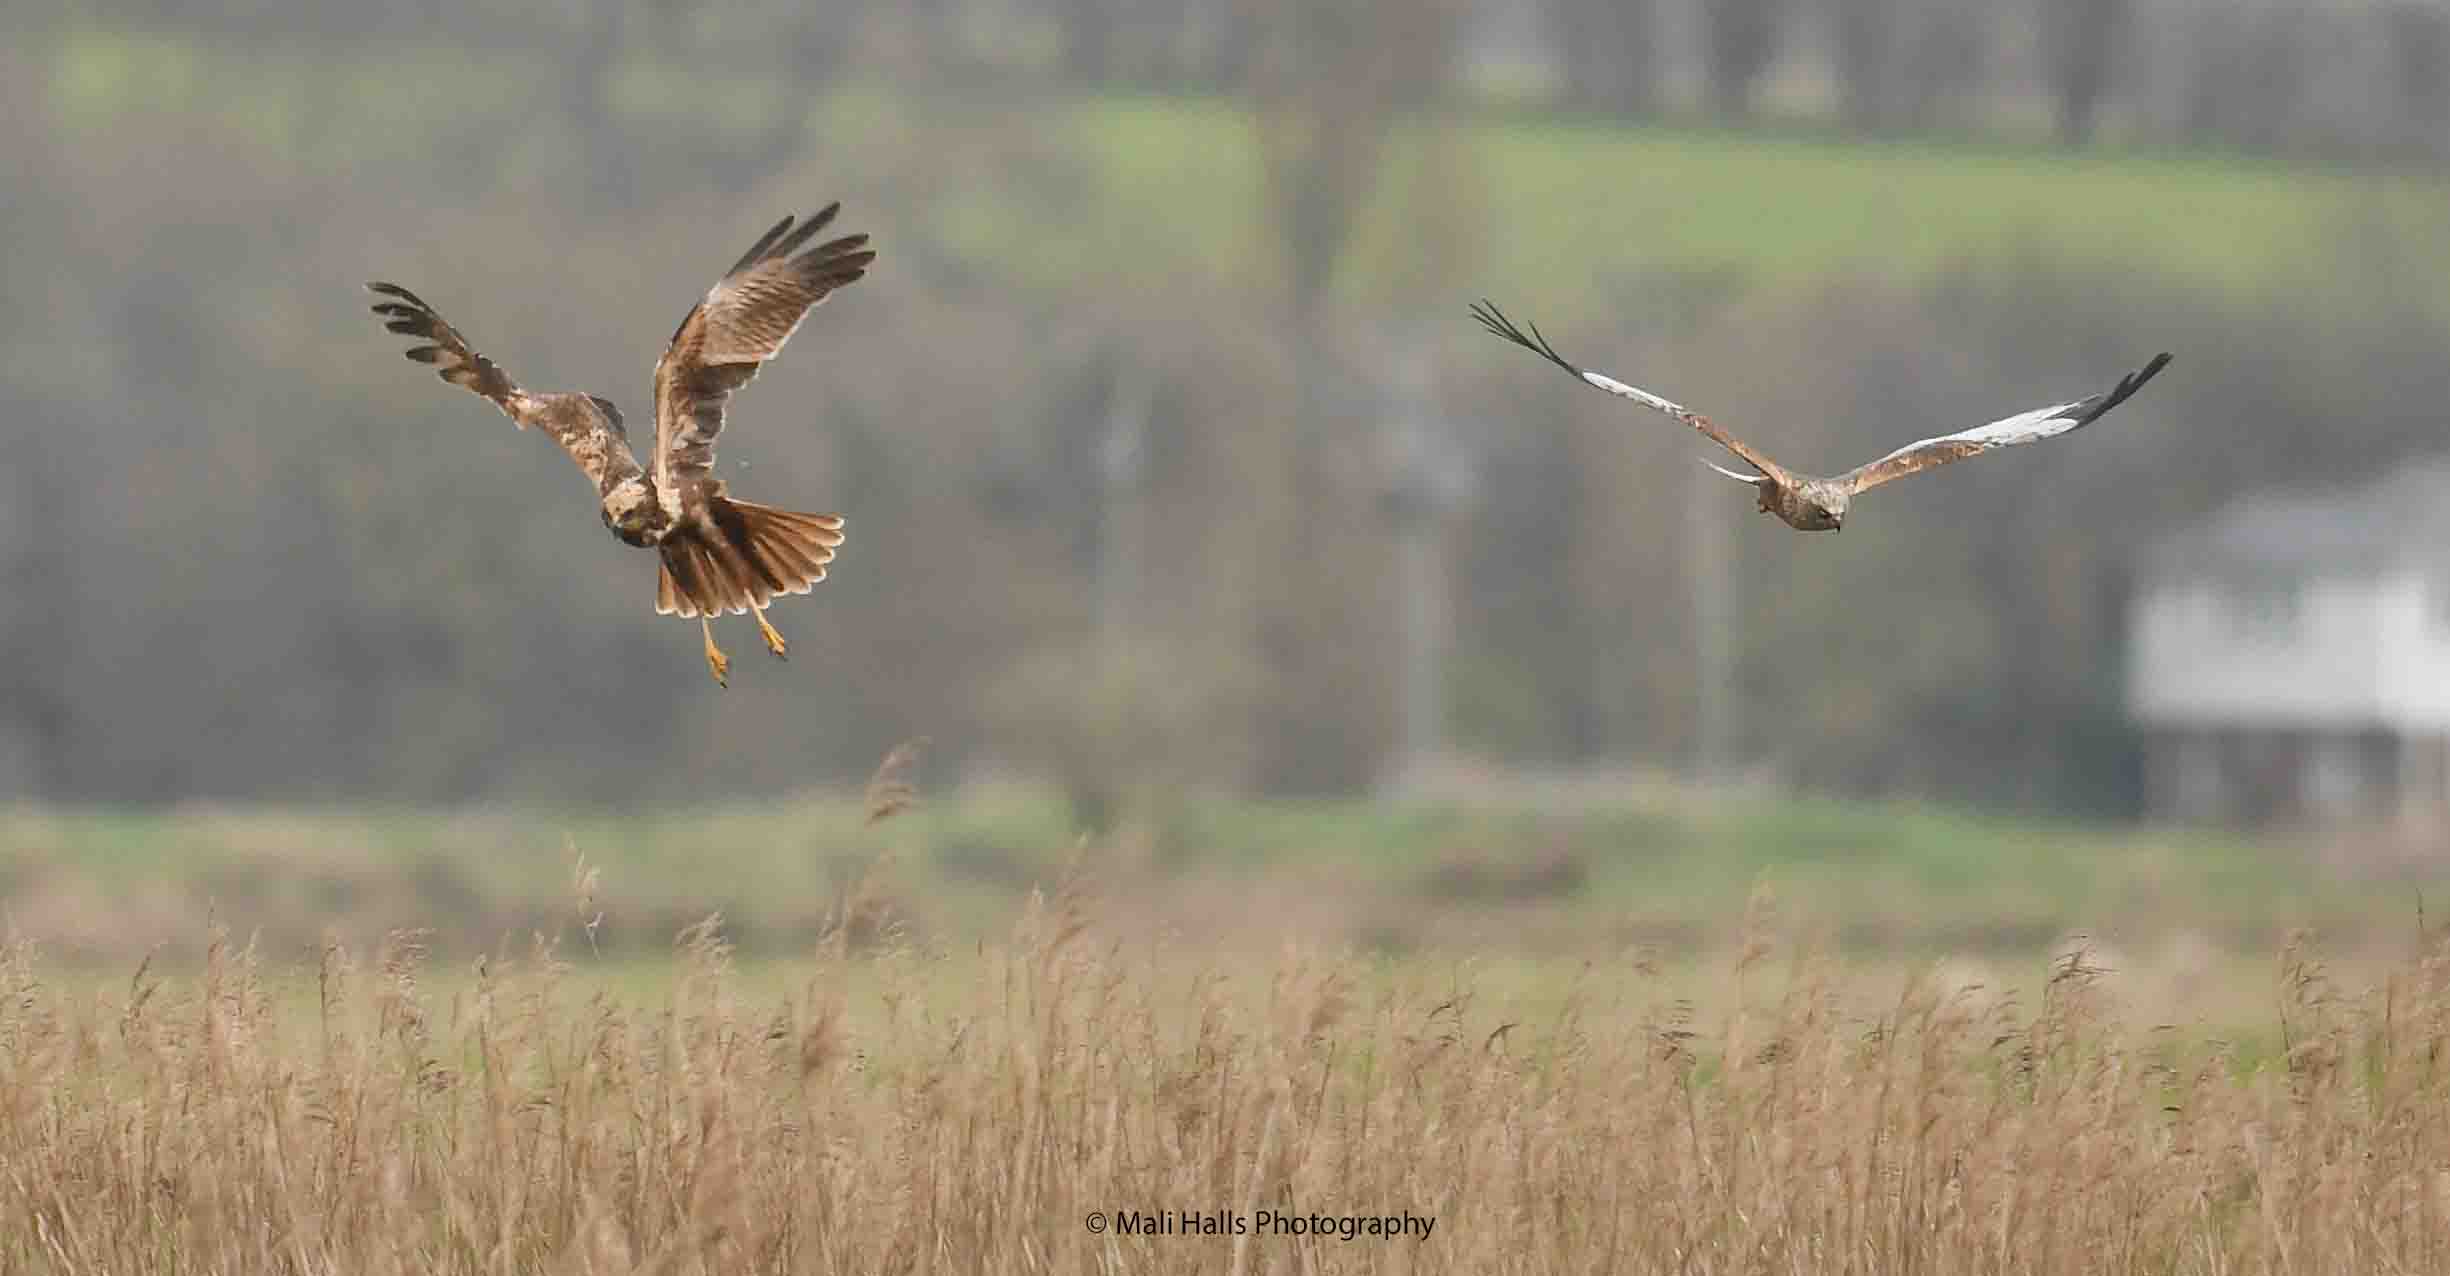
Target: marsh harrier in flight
<point x="719" y="555"/>
<point x="1808" y="502"/>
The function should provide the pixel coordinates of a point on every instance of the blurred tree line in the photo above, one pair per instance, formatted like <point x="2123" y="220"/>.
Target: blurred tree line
<point x="1145" y="537"/>
<point x="2366" y="79"/>
<point x="2363" y="79"/>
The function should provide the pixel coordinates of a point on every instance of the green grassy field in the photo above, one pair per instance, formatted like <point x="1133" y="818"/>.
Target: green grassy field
<point x="1650" y="865"/>
<point x="1161" y="188"/>
<point x="1561" y="205"/>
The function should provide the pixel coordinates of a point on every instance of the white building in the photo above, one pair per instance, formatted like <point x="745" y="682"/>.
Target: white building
<point x="2290" y="658"/>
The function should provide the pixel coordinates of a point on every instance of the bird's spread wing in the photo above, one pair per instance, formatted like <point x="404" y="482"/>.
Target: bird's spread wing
<point x="743" y="321"/>
<point x="586" y="427"/>
<point x="2044" y="422"/>
<point x="454" y="361"/>
<point x="1496" y="321"/>
<point x="2024" y="427"/>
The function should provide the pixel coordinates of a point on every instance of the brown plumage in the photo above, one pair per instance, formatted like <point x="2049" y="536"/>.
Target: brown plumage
<point x="1813" y="503"/>
<point x="718" y="555"/>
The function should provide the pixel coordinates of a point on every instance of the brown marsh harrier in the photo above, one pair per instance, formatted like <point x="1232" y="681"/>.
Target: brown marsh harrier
<point x="720" y="555"/>
<point x="1808" y="502"/>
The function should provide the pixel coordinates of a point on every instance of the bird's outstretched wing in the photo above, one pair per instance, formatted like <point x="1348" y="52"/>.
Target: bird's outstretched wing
<point x="742" y="322"/>
<point x="1495" y="320"/>
<point x="2025" y="427"/>
<point x="454" y="361"/>
<point x="586" y="427"/>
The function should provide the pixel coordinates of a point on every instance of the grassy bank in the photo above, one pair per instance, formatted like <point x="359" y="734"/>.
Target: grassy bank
<point x="1639" y="864"/>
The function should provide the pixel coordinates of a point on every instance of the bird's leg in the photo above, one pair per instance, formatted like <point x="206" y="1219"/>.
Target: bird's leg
<point x="774" y="637"/>
<point x="716" y="661"/>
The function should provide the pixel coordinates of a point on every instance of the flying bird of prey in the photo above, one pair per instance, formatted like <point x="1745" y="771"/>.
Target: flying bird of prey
<point x="719" y="555"/>
<point x="1809" y="502"/>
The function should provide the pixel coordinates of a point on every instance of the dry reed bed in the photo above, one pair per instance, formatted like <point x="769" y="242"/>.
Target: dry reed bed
<point x="195" y="1126"/>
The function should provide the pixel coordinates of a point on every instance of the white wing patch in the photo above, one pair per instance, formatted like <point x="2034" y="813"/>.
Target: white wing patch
<point x="2024" y="427"/>
<point x="1643" y="397"/>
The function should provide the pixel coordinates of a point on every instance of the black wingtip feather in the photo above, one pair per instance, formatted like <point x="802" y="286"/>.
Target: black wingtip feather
<point x="820" y="219"/>
<point x="2124" y="390"/>
<point x="790" y="243"/>
<point x="757" y="251"/>
<point x="1495" y="320"/>
<point x="838" y="247"/>
<point x="785" y="238"/>
<point x="836" y="270"/>
<point x="395" y="290"/>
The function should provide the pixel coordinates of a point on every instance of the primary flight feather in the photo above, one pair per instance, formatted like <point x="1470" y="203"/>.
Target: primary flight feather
<point x="1813" y="503"/>
<point x="719" y="555"/>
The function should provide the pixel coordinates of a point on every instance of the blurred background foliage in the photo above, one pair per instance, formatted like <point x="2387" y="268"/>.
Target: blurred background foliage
<point x="1170" y="458"/>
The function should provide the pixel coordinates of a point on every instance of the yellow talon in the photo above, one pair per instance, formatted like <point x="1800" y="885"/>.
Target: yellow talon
<point x="774" y="637"/>
<point x="716" y="661"/>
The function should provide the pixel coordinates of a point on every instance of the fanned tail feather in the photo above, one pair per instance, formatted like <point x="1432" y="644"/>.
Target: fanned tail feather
<point x="752" y="554"/>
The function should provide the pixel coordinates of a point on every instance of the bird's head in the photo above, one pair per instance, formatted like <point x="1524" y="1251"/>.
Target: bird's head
<point x="631" y="512"/>
<point x="1822" y="509"/>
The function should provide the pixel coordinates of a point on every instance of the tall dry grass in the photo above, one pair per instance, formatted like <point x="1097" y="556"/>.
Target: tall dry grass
<point x="888" y="1118"/>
